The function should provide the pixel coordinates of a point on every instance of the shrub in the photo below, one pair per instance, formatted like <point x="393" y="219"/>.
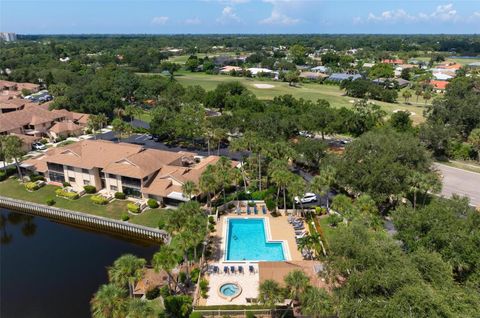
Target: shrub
<point x="182" y="277"/>
<point x="164" y="291"/>
<point x="44" y="141"/>
<point x="3" y="175"/>
<point x="178" y="306"/>
<point x="211" y="220"/>
<point x="320" y="210"/>
<point x="211" y="228"/>
<point x="36" y="177"/>
<point x="196" y="314"/>
<point x="152" y="293"/>
<point x="90" y="189"/>
<point x="51" y="202"/>
<point x="334" y="219"/>
<point x="204" y="288"/>
<point x="125" y="217"/>
<point x="251" y="204"/>
<point x="67" y="195"/>
<point x="161" y="224"/>
<point x="120" y="195"/>
<point x="152" y="204"/>
<point x="194" y="274"/>
<point x="31" y="186"/>
<point x="66" y="184"/>
<point x="250" y="315"/>
<point x="97" y="199"/>
<point x="132" y="207"/>
<point x="271" y="204"/>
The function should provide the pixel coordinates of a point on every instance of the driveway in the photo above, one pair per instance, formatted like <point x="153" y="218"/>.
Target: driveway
<point x="461" y="182"/>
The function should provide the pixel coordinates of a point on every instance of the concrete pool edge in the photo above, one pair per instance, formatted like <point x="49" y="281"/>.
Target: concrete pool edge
<point x="268" y="238"/>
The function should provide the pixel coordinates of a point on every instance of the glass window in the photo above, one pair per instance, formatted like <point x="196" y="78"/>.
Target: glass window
<point x="71" y="179"/>
<point x="113" y="188"/>
<point x="85" y="171"/>
<point x="86" y="182"/>
<point x="69" y="168"/>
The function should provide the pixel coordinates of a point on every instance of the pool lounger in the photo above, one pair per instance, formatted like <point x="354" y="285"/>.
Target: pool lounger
<point x="240" y="269"/>
<point x="251" y="269"/>
<point x="248" y="209"/>
<point x="232" y="269"/>
<point x="255" y="210"/>
<point x="264" y="210"/>
<point x="225" y="270"/>
<point x="215" y="269"/>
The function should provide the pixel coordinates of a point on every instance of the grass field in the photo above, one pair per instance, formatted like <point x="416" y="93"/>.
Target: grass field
<point x="14" y="189"/>
<point x="309" y="91"/>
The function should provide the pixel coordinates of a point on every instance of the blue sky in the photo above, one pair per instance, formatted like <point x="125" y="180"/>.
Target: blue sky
<point x="238" y="16"/>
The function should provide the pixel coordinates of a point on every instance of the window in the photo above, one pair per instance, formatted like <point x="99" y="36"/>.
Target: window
<point x="71" y="179"/>
<point x="112" y="176"/>
<point x="86" y="171"/>
<point x="113" y="188"/>
<point x="86" y="182"/>
<point x="70" y="168"/>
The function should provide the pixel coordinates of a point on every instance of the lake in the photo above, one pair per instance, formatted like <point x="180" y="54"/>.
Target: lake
<point x="50" y="270"/>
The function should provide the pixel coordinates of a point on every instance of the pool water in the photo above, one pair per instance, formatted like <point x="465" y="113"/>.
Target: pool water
<point x="229" y="290"/>
<point x="247" y="241"/>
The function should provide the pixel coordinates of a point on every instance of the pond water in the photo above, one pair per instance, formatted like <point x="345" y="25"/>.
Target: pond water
<point x="50" y="270"/>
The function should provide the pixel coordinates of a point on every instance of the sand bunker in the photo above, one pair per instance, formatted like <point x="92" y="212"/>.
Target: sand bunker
<point x="401" y="110"/>
<point x="263" y="86"/>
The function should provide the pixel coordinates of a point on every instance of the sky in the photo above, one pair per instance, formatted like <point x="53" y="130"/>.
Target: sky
<point x="238" y="16"/>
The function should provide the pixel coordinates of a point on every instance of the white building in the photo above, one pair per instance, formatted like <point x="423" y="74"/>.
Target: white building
<point x="8" y="36"/>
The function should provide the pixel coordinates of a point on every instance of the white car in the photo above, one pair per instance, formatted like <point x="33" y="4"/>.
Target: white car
<point x="39" y="146"/>
<point x="307" y="198"/>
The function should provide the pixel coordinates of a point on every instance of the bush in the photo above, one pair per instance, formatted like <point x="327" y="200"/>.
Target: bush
<point x="320" y="210"/>
<point x="97" y="199"/>
<point x="211" y="228"/>
<point x="211" y="220"/>
<point x="120" y="195"/>
<point x="251" y="204"/>
<point x="125" y="217"/>
<point x="31" y="186"/>
<point x="196" y="314"/>
<point x="44" y="141"/>
<point x="152" y="204"/>
<point x="334" y="219"/>
<point x="271" y="204"/>
<point x="90" y="189"/>
<point x="178" y="306"/>
<point x="132" y="207"/>
<point x="152" y="293"/>
<point x="36" y="177"/>
<point x="4" y="174"/>
<point x="204" y="288"/>
<point x="194" y="274"/>
<point x="66" y="184"/>
<point x="51" y="202"/>
<point x="67" y="195"/>
<point x="165" y="291"/>
<point x="250" y="315"/>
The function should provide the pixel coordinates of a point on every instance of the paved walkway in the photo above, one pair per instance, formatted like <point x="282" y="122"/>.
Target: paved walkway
<point x="462" y="182"/>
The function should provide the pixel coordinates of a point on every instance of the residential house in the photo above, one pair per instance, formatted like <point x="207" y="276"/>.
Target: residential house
<point x="320" y="69"/>
<point x="393" y="61"/>
<point x="338" y="77"/>
<point x="227" y="69"/>
<point x="14" y="88"/>
<point x="10" y="104"/>
<point x="442" y="76"/>
<point x="122" y="167"/>
<point x="313" y="75"/>
<point x="439" y="86"/>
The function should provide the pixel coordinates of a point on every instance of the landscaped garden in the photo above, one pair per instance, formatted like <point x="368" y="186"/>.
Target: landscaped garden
<point x="115" y="209"/>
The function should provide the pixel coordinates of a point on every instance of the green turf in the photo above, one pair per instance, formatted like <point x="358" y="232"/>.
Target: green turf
<point x="310" y="91"/>
<point x="14" y="189"/>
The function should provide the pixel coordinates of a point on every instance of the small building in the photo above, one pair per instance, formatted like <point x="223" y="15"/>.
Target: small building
<point x="65" y="129"/>
<point x="393" y="61"/>
<point x="227" y="69"/>
<point x="313" y="75"/>
<point x="442" y="76"/>
<point x="338" y="77"/>
<point x="9" y="104"/>
<point x="320" y="69"/>
<point x="439" y="86"/>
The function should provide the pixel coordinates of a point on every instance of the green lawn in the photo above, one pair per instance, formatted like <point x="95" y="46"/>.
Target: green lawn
<point x="310" y="91"/>
<point x="327" y="229"/>
<point x="14" y="189"/>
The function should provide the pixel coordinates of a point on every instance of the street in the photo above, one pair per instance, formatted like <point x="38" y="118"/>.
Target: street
<point x="462" y="182"/>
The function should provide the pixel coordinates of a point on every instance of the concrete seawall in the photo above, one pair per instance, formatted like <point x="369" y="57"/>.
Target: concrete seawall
<point x="86" y="220"/>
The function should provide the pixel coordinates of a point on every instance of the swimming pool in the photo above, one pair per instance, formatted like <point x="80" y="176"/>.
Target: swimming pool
<point x="247" y="241"/>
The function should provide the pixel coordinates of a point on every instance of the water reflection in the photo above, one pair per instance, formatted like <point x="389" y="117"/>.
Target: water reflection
<point x="12" y="219"/>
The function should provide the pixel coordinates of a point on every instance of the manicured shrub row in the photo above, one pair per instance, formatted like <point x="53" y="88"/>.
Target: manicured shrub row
<point x="152" y="204"/>
<point x="67" y="195"/>
<point x="98" y="199"/>
<point x="132" y="207"/>
<point x="90" y="189"/>
<point x="120" y="195"/>
<point x="31" y="186"/>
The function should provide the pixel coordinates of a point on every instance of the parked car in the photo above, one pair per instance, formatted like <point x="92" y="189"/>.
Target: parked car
<point x="39" y="146"/>
<point x="307" y="198"/>
<point x="306" y="134"/>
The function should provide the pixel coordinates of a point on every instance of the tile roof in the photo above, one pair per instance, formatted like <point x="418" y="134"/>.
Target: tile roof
<point x="65" y="126"/>
<point x="31" y="115"/>
<point x="439" y="84"/>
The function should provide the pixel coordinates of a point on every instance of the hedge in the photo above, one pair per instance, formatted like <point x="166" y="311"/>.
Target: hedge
<point x="152" y="204"/>
<point x="67" y="195"/>
<point x="98" y="199"/>
<point x="132" y="207"/>
<point x="31" y="186"/>
<point x="90" y="189"/>
<point x="120" y="195"/>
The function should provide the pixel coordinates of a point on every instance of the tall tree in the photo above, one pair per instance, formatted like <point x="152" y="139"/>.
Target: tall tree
<point x="270" y="293"/>
<point x="317" y="303"/>
<point x="12" y="150"/>
<point x="297" y="282"/>
<point x="126" y="271"/>
<point x="189" y="189"/>
<point x="108" y="302"/>
<point x="166" y="259"/>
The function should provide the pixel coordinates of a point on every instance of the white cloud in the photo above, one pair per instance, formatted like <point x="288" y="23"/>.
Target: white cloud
<point x="278" y="15"/>
<point x="442" y="13"/>
<point x="228" y="16"/>
<point x="192" y="21"/>
<point x="160" y="20"/>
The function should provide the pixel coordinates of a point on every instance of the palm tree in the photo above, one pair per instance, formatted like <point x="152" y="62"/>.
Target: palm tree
<point x="427" y="96"/>
<point x="270" y="293"/>
<point x="189" y="188"/>
<point x="126" y="270"/>
<point x="208" y="184"/>
<point x="138" y="308"/>
<point x="131" y="111"/>
<point x="430" y="182"/>
<point x="297" y="281"/>
<point x="12" y="149"/>
<point x="223" y="173"/>
<point x="296" y="187"/>
<point x="324" y="181"/>
<point x="166" y="259"/>
<point x="282" y="178"/>
<point x="406" y="95"/>
<point x="108" y="302"/>
<point x="316" y="303"/>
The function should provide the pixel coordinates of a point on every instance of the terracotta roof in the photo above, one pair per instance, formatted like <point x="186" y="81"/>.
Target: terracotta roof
<point x="79" y="118"/>
<point x="65" y="126"/>
<point x="7" y="102"/>
<point x="278" y="270"/>
<point x="26" y="138"/>
<point x="439" y="84"/>
<point x="39" y="164"/>
<point x="30" y="115"/>
<point x="450" y="66"/>
<point x="394" y="61"/>
<point x="150" y="280"/>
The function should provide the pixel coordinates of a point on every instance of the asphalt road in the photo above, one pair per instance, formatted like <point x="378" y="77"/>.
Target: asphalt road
<point x="461" y="182"/>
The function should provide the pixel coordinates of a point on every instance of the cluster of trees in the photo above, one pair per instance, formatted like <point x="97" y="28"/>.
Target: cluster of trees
<point x="364" y="88"/>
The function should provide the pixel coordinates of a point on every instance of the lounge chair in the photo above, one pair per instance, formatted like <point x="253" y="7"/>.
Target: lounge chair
<point x="248" y="209"/>
<point x="255" y="210"/>
<point x="232" y="269"/>
<point x="215" y="269"/>
<point x="240" y="269"/>
<point x="264" y="210"/>
<point x="251" y="269"/>
<point x="301" y="235"/>
<point x="299" y="228"/>
<point x="239" y="211"/>
<point x="225" y="270"/>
